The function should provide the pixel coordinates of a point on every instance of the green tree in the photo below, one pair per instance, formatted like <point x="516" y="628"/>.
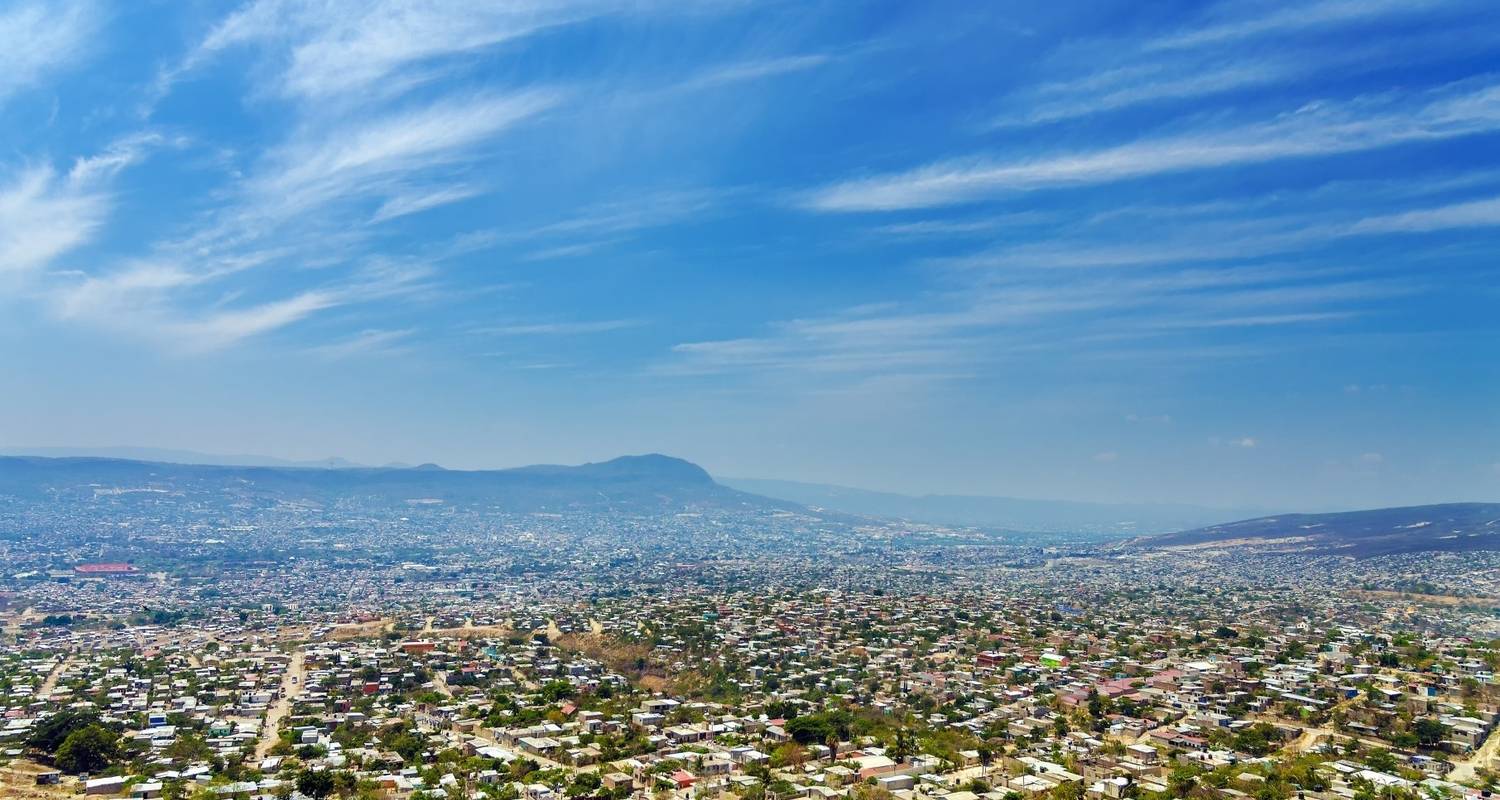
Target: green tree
<point x="1071" y="790"/>
<point x="1381" y="760"/>
<point x="1429" y="731"/>
<point x="317" y="785"/>
<point x="48" y="735"/>
<point x="584" y="783"/>
<point x="88" y="749"/>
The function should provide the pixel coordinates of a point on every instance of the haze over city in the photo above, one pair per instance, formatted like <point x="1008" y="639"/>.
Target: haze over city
<point x="1235" y="254"/>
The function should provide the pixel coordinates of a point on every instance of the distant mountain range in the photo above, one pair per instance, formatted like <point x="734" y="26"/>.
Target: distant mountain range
<point x="168" y="456"/>
<point x="651" y="484"/>
<point x="1445" y="527"/>
<point x="1001" y="513"/>
<point x="646" y="484"/>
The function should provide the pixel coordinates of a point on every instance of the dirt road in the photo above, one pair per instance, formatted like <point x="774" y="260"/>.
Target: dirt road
<point x="50" y="682"/>
<point x="1466" y="770"/>
<point x="291" y="686"/>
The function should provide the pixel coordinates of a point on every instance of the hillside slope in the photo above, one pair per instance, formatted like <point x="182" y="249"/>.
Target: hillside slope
<point x="640" y="483"/>
<point x="1448" y="527"/>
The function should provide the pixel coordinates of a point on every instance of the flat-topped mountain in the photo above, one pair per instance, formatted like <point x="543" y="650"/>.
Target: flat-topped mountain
<point x="645" y="483"/>
<point x="1449" y="526"/>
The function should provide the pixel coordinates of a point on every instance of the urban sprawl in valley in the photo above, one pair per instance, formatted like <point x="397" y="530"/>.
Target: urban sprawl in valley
<point x="162" y="641"/>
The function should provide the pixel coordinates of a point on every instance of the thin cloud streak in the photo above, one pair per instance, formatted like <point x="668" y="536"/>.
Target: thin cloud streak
<point x="1315" y="130"/>
<point x="1291" y="20"/>
<point x="365" y="343"/>
<point x="755" y="70"/>
<point x="562" y="328"/>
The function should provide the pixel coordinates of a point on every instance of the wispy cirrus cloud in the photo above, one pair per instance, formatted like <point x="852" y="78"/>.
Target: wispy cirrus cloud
<point x="1243" y="51"/>
<point x="963" y="228"/>
<point x="1314" y="130"/>
<point x="303" y="203"/>
<point x="363" y="149"/>
<point x="647" y="210"/>
<point x="1471" y="214"/>
<point x="385" y="118"/>
<point x="45" y="213"/>
<point x="577" y="328"/>
<point x="222" y="328"/>
<point x="1232" y="22"/>
<point x="1224" y="240"/>
<point x="42" y="38"/>
<point x="756" y="69"/>
<point x="991" y="319"/>
<point x="331" y="49"/>
<point x="365" y="343"/>
<point x="362" y="157"/>
<point x="1137" y="85"/>
<point x="601" y="225"/>
<point x="162" y="303"/>
<point x="417" y="201"/>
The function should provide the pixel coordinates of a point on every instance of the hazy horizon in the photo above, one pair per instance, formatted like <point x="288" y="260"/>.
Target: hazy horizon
<point x="1225" y="255"/>
<point x="184" y="456"/>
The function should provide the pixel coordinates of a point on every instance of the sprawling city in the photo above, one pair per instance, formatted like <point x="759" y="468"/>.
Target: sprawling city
<point x="749" y="400"/>
<point x="170" y="640"/>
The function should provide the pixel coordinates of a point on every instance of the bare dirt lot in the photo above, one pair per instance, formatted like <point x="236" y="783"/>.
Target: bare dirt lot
<point x="18" y="779"/>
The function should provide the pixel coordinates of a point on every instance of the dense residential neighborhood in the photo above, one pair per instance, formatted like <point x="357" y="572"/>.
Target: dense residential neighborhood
<point x="855" y="659"/>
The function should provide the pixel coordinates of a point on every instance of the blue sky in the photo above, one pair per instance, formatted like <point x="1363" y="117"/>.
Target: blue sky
<point x="1227" y="254"/>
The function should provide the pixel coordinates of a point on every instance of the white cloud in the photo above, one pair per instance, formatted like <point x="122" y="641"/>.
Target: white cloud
<point x="367" y="342"/>
<point x="562" y="328"/>
<point x="573" y="250"/>
<point x="359" y="157"/>
<point x="344" y="47"/>
<point x="422" y="200"/>
<point x="305" y="204"/>
<point x="1291" y="19"/>
<point x="755" y="70"/>
<point x="162" y="303"/>
<point x="1107" y="457"/>
<point x="1234" y="240"/>
<point x="43" y="216"/>
<point x="358" y="152"/>
<point x="1244" y="442"/>
<point x="220" y="329"/>
<point x="1472" y="214"/>
<point x="1256" y="320"/>
<point x="40" y="39"/>
<point x="957" y="228"/>
<point x="1131" y="86"/>
<point x="990" y="318"/>
<point x="648" y="210"/>
<point x="1315" y="130"/>
<point x="132" y="289"/>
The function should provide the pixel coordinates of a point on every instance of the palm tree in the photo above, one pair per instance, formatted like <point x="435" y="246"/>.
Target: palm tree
<point x="904" y="746"/>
